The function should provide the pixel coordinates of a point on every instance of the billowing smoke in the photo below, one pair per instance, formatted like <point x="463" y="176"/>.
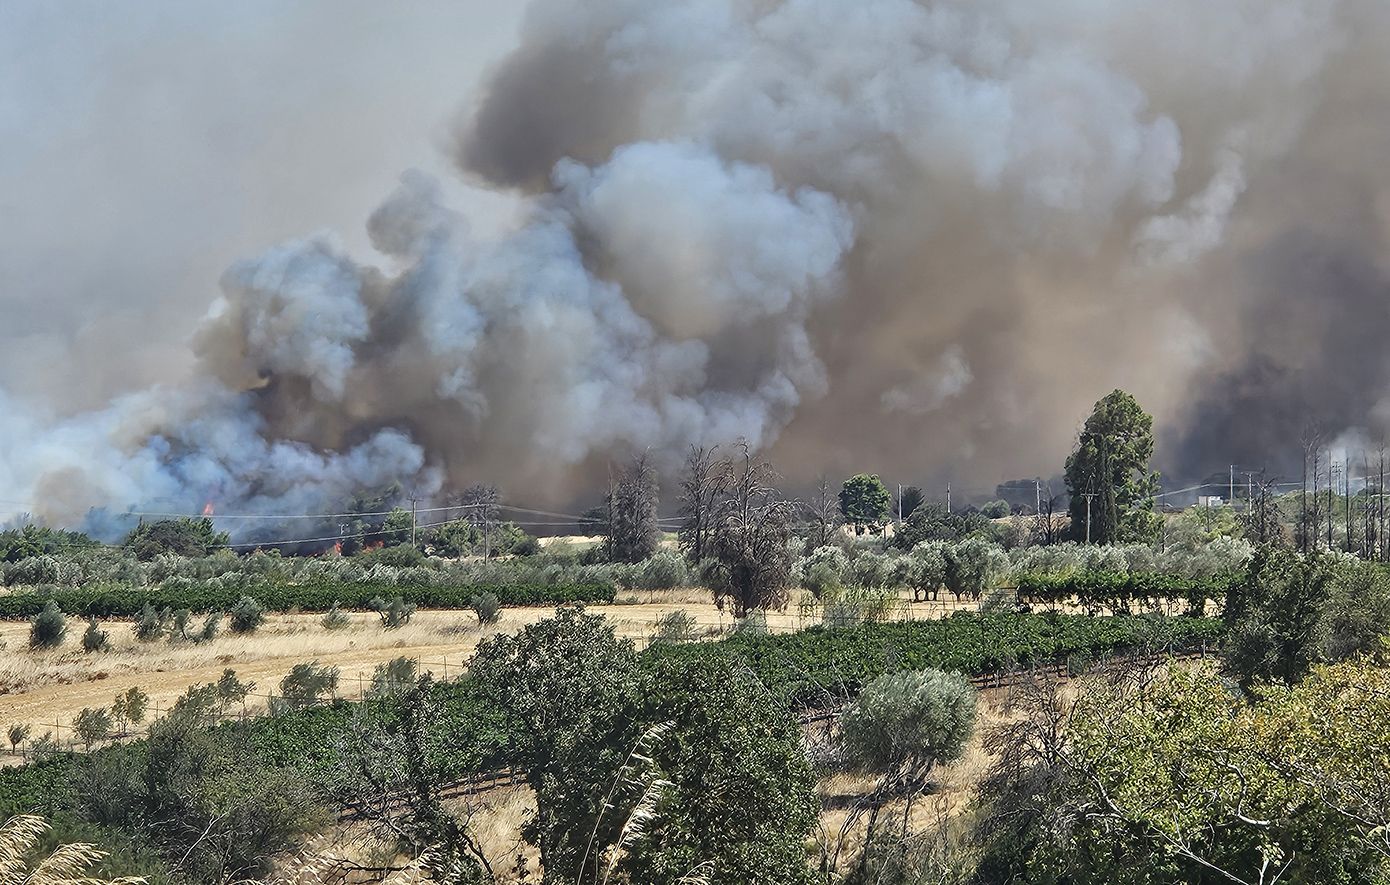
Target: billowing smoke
<point x="919" y="238"/>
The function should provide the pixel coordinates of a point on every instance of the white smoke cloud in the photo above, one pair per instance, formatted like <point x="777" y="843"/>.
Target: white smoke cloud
<point x="737" y="208"/>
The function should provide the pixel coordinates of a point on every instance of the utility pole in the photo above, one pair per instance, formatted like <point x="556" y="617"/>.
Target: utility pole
<point x="948" y="497"/>
<point x="900" y="503"/>
<point x="1331" y="479"/>
<point x="1037" y="496"/>
<point x="1231" y="499"/>
<point x="1088" y="496"/>
<point x="412" y="522"/>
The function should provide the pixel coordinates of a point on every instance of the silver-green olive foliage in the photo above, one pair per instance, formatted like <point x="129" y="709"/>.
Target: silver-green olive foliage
<point x="909" y="721"/>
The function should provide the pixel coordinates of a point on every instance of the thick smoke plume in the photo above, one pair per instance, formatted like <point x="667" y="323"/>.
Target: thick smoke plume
<point x="919" y="238"/>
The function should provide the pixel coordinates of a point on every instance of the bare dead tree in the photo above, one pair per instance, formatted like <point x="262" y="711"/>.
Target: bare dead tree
<point x="1261" y="517"/>
<point x="750" y="538"/>
<point x="633" y="533"/>
<point x="705" y="480"/>
<point x="824" y="513"/>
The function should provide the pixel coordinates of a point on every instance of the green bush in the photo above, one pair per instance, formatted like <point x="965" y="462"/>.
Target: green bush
<point x="393" y="614"/>
<point x="336" y="619"/>
<point x="676" y="626"/>
<point x="95" y="638"/>
<point x="305" y="685"/>
<point x="909" y="720"/>
<point x="393" y="677"/>
<point x="110" y="601"/>
<point x="487" y="607"/>
<point x="247" y="615"/>
<point x="92" y="725"/>
<point x="49" y="627"/>
<point x="149" y="626"/>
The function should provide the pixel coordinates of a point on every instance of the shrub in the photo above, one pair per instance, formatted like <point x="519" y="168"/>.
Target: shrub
<point x="393" y="677"/>
<point x="18" y="734"/>
<point x="822" y="572"/>
<point x="247" y="615"/>
<point x="95" y="638"/>
<point x="909" y="720"/>
<point x="49" y="627"/>
<point x="210" y="625"/>
<point x="995" y="509"/>
<point x="130" y="707"/>
<point x="487" y="607"/>
<point x="92" y="725"/>
<point x="231" y="690"/>
<point x="393" y="614"/>
<point x="149" y="626"/>
<point x="305" y="685"/>
<point x="676" y="626"/>
<point x="664" y="571"/>
<point x="336" y="619"/>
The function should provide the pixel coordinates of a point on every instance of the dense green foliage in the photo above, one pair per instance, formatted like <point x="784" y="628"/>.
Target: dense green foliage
<point x="1291" y="611"/>
<point x="48" y="627"/>
<point x="1122" y="591"/>
<point x="1108" y="475"/>
<point x="911" y="719"/>
<point x="118" y="601"/>
<point x="32" y="540"/>
<point x="818" y="665"/>
<point x="1184" y="781"/>
<point x="864" y="502"/>
<point x="181" y="537"/>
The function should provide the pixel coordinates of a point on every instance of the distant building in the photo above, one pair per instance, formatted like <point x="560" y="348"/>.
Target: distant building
<point x="1210" y="500"/>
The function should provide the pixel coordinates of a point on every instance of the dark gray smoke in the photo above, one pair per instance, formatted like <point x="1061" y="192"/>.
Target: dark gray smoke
<point x="909" y="237"/>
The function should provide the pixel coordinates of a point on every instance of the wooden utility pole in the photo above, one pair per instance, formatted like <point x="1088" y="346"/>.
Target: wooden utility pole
<point x="412" y="522"/>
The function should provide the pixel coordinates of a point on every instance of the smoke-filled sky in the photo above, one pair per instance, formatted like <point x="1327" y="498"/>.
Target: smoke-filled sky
<point x="266" y="254"/>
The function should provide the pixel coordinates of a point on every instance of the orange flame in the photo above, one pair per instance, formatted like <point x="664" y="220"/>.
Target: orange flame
<point x="207" y="511"/>
<point x="338" y="548"/>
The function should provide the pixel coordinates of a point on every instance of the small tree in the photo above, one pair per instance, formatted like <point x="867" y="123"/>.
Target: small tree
<point x="700" y="490"/>
<point x="306" y="684"/>
<point x="393" y="677"/>
<point x="750" y="540"/>
<point x="93" y="725"/>
<point x="910" y="500"/>
<point x="247" y="615"/>
<point x="209" y="630"/>
<point x="393" y="614"/>
<point x="149" y="626"/>
<point x="95" y="638"/>
<point x="49" y="627"/>
<point x="336" y="619"/>
<point x="487" y="607"/>
<point x="231" y="690"/>
<point x="902" y="725"/>
<point x="864" y="502"/>
<point x="972" y="566"/>
<point x="633" y="532"/>
<point x="130" y="707"/>
<point x="18" y="734"/>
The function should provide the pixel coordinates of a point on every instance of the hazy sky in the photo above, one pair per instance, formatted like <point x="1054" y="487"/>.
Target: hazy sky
<point x="145" y="146"/>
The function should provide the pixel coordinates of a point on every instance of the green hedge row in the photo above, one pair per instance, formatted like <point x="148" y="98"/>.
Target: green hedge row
<point x="815" y="665"/>
<point x="1116" y="590"/>
<point x="117" y="601"/>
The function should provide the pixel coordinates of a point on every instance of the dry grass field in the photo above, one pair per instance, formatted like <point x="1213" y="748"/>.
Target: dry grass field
<point x="44" y="688"/>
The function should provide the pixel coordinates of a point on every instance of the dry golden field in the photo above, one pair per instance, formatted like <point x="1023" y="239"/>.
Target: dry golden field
<point x="47" y="689"/>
